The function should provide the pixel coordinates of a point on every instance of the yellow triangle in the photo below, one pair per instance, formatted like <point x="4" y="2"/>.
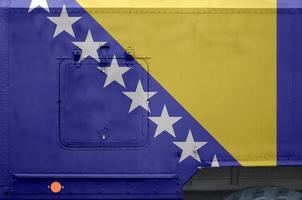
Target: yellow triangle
<point x="220" y="64"/>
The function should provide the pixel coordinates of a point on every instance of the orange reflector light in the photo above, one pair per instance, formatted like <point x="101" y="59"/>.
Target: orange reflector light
<point x="56" y="187"/>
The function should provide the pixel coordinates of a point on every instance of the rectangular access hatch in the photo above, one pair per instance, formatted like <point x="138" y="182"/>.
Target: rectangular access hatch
<point x="94" y="116"/>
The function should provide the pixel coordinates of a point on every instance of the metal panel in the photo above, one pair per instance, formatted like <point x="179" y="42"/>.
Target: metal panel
<point x="90" y="118"/>
<point x="3" y="94"/>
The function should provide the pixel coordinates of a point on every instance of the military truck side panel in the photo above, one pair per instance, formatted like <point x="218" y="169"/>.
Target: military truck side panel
<point x="106" y="100"/>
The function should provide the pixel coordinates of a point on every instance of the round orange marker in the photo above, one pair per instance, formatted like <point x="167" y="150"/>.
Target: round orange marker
<point x="56" y="187"/>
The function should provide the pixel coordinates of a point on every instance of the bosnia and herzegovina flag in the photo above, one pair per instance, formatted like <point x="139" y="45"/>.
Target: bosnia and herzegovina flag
<point x="235" y="66"/>
<point x="213" y="83"/>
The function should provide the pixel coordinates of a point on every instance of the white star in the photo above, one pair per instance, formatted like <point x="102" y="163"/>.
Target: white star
<point x="215" y="162"/>
<point x="38" y="3"/>
<point x="64" y="22"/>
<point x="139" y="97"/>
<point x="89" y="47"/>
<point x="165" y="122"/>
<point x="114" y="73"/>
<point x="190" y="148"/>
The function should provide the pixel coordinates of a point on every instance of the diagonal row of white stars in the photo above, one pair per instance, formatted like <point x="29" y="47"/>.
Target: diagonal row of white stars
<point x="115" y="73"/>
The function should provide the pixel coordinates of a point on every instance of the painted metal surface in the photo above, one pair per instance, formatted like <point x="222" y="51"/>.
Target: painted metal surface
<point x="81" y="108"/>
<point x="289" y="87"/>
<point x="68" y="124"/>
<point x="233" y="97"/>
<point x="4" y="147"/>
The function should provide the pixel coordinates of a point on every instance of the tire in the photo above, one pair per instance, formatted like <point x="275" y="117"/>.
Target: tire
<point x="265" y="193"/>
